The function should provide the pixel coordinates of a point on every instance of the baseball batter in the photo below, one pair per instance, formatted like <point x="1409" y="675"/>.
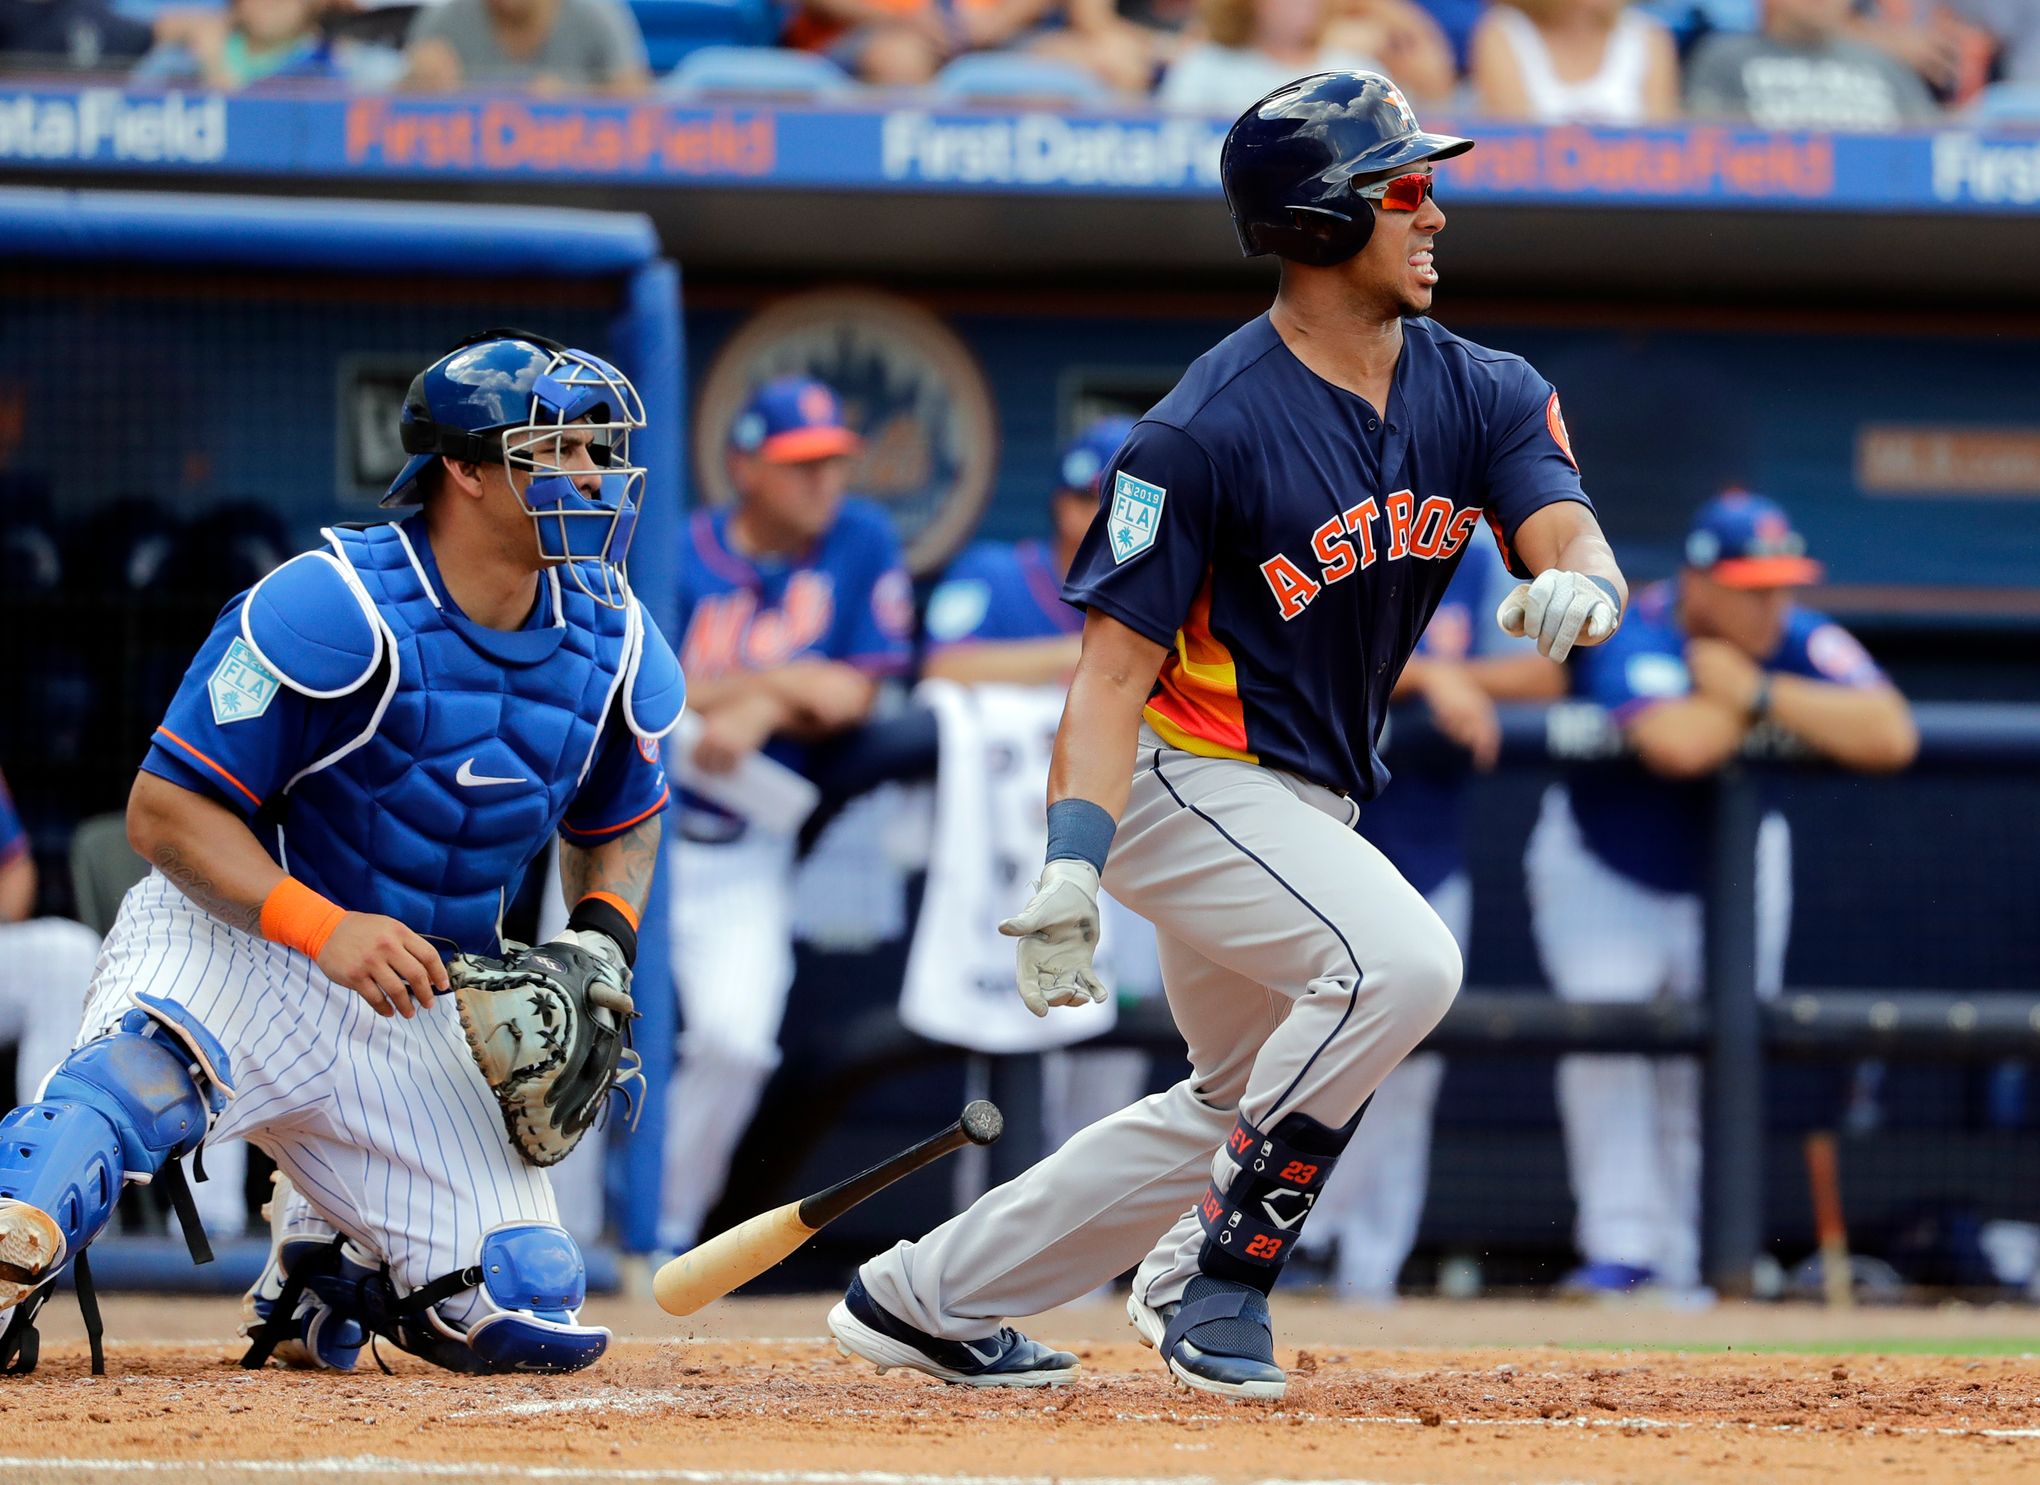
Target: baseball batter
<point x="371" y="745"/>
<point x="1271" y="540"/>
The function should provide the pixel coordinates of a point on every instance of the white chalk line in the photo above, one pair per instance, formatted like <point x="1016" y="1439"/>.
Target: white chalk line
<point x="372" y="1464"/>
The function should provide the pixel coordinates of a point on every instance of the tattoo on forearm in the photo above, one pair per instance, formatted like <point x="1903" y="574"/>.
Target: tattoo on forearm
<point x="623" y="866"/>
<point x="201" y="889"/>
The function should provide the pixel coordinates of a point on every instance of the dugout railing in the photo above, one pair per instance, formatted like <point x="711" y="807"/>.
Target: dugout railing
<point x="1737" y="1036"/>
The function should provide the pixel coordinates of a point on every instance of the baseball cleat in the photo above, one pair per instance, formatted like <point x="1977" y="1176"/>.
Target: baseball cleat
<point x="31" y="1249"/>
<point x="322" y="1339"/>
<point x="1218" y="1338"/>
<point x="1006" y="1359"/>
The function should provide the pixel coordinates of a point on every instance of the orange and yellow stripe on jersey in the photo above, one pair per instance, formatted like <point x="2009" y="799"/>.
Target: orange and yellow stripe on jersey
<point x="1196" y="705"/>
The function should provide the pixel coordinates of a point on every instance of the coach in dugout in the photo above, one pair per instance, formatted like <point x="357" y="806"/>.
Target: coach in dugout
<point x="793" y="605"/>
<point x="1615" y="863"/>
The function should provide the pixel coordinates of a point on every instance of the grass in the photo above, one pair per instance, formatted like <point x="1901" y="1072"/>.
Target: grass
<point x="1869" y="1346"/>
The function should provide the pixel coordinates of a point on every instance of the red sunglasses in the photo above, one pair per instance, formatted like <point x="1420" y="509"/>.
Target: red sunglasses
<point x="1401" y="193"/>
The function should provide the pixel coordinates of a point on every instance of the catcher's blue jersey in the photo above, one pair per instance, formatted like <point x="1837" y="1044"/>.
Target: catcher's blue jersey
<point x="1288" y="542"/>
<point x="401" y="759"/>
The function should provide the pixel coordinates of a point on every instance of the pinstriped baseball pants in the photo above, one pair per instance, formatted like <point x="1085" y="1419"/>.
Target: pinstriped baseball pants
<point x="1300" y="968"/>
<point x="386" y="1126"/>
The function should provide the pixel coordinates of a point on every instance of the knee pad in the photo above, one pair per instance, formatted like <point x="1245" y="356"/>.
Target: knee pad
<point x="119" y="1108"/>
<point x="1251" y="1227"/>
<point x="533" y="1284"/>
<point x="516" y="1308"/>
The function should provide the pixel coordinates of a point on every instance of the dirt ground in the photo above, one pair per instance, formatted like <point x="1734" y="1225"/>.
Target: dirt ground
<point x="751" y="1393"/>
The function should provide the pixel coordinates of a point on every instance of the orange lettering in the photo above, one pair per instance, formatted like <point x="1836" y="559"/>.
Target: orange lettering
<point x="1400" y="506"/>
<point x="1427" y="540"/>
<point x="1334" y="551"/>
<point x="1264" y="1246"/>
<point x="1292" y="589"/>
<point x="1360" y="521"/>
<point x="1462" y="527"/>
<point x="1296" y="1173"/>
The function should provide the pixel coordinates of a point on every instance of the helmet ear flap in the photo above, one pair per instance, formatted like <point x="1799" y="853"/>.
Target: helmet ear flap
<point x="1319" y="237"/>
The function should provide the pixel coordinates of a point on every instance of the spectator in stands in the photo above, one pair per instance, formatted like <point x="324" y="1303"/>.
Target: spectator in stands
<point x="254" y="41"/>
<point x="2015" y="25"/>
<point x="1411" y="45"/>
<point x="1575" y="62"/>
<point x="1804" y="71"/>
<point x="903" y="43"/>
<point x="1951" y="56"/>
<point x="1127" y="43"/>
<point x="546" y="47"/>
<point x="46" y="964"/>
<point x="90" y="35"/>
<point x="1616" y="862"/>
<point x="1371" y="1206"/>
<point x="793" y="606"/>
<point x="1254" y="47"/>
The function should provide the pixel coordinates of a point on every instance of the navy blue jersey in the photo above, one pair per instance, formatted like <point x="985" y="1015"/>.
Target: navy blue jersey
<point x="994" y="592"/>
<point x="1419" y="822"/>
<point x="1288" y="542"/>
<point x="1654" y="830"/>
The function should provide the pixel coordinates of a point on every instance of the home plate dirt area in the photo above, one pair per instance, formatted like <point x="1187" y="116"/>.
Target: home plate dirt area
<point x="755" y="1394"/>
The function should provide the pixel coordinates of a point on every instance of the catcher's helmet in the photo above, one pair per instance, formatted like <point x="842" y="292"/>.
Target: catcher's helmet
<point x="504" y="397"/>
<point x="1294" y="158"/>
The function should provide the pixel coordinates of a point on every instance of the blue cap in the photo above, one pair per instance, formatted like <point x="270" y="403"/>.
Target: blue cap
<point x="1745" y="541"/>
<point x="791" y="420"/>
<point x="1084" y="457"/>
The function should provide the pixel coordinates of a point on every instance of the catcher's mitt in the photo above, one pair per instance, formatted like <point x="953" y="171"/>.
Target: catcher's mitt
<point x="550" y="1028"/>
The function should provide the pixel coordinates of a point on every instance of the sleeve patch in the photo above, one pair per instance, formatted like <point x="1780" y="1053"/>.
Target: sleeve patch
<point x="241" y="687"/>
<point x="1555" y="421"/>
<point x="892" y="604"/>
<point x="1840" y="656"/>
<point x="1655" y="677"/>
<point x="958" y="608"/>
<point x="1135" y="517"/>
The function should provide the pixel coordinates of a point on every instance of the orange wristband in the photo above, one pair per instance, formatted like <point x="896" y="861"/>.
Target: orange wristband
<point x="630" y="914"/>
<point x="299" y="918"/>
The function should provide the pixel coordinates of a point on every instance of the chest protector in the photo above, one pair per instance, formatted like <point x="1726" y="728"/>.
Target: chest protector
<point x="475" y="740"/>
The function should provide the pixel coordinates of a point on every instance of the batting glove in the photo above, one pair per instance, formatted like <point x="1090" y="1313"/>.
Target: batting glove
<point x="1058" y="933"/>
<point x="1559" y="608"/>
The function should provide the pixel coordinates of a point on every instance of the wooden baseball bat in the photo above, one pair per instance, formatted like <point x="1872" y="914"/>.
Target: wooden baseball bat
<point x="1823" y="1175"/>
<point x="729" y="1259"/>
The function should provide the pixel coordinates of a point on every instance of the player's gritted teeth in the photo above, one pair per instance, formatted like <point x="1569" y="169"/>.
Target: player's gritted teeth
<point x="1426" y="272"/>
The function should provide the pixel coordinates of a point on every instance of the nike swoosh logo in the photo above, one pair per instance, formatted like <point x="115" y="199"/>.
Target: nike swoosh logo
<point x="467" y="775"/>
<point x="987" y="1360"/>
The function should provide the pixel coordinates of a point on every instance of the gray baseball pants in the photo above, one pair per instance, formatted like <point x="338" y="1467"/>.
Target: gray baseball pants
<point x="1300" y="968"/>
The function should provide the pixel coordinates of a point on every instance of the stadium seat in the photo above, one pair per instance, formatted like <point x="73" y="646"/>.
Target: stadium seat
<point x="1008" y="77"/>
<point x="675" y="28"/>
<point x="2007" y="103"/>
<point x="758" y="71"/>
<point x="103" y="867"/>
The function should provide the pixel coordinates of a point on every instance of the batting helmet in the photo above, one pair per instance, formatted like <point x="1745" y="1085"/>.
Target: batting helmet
<point x="1291" y="163"/>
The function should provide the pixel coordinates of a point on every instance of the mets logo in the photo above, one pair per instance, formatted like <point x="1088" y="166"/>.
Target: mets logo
<point x="907" y="384"/>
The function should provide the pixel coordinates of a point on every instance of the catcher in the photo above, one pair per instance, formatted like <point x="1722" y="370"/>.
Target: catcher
<point x="370" y="747"/>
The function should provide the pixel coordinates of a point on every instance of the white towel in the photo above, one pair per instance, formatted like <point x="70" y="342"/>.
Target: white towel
<point x="991" y="830"/>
